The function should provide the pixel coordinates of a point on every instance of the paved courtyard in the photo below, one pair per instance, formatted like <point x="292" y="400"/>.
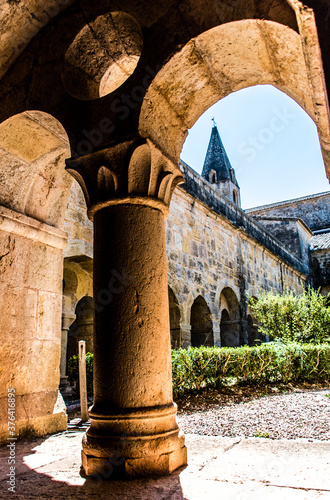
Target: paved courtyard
<point x="225" y="468"/>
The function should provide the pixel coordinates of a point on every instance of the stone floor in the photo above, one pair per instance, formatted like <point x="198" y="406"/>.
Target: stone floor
<point x="219" y="468"/>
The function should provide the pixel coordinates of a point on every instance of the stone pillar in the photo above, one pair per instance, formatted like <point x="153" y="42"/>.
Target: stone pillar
<point x="216" y="331"/>
<point x="244" y="332"/>
<point x="67" y="320"/>
<point x="185" y="335"/>
<point x="31" y="270"/>
<point x="133" y="419"/>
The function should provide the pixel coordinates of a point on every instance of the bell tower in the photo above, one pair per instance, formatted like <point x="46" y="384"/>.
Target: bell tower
<point x="217" y="169"/>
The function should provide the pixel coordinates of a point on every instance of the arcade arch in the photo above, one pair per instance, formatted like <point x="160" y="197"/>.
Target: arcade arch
<point x="201" y="323"/>
<point x="175" y="319"/>
<point x="230" y="323"/>
<point x="82" y="327"/>
<point x="210" y="66"/>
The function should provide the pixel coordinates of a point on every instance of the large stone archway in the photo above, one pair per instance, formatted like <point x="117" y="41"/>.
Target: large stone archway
<point x="125" y="150"/>
<point x="225" y="59"/>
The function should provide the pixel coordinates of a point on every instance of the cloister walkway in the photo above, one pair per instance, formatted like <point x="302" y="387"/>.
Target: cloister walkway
<point x="219" y="468"/>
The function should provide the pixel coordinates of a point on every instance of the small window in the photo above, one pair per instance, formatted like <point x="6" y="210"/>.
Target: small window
<point x="235" y="196"/>
<point x="212" y="177"/>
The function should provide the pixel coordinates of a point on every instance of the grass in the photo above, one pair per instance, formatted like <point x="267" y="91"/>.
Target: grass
<point x="261" y="434"/>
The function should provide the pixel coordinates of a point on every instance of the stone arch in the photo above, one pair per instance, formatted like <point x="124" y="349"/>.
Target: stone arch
<point x="82" y="327"/>
<point x="77" y="279"/>
<point x="225" y="59"/>
<point x="175" y="319"/>
<point x="230" y="322"/>
<point x="34" y="146"/>
<point x="77" y="284"/>
<point x="34" y="190"/>
<point x="70" y="282"/>
<point x="201" y="323"/>
<point x="225" y="283"/>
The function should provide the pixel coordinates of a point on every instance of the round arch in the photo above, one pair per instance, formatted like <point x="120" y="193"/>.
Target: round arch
<point x="175" y="319"/>
<point x="33" y="180"/>
<point x="201" y="323"/>
<point x="230" y="322"/>
<point x="82" y="327"/>
<point x="222" y="60"/>
<point x="77" y="281"/>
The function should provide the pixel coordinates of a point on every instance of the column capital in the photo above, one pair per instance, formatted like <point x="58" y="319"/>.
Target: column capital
<point x="67" y="320"/>
<point x="133" y="172"/>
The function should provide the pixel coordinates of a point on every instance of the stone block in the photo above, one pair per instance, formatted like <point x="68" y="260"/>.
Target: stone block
<point x="48" y="315"/>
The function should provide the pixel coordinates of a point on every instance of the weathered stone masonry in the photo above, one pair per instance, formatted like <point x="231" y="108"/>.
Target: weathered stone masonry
<point x="123" y="132"/>
<point x="313" y="211"/>
<point x="210" y="249"/>
<point x="212" y="245"/>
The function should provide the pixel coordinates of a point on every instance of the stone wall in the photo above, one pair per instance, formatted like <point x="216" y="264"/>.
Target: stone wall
<point x="202" y="190"/>
<point x="31" y="269"/>
<point x="321" y="264"/>
<point x="313" y="210"/>
<point x="215" y="252"/>
<point x="207" y="254"/>
<point x="293" y="233"/>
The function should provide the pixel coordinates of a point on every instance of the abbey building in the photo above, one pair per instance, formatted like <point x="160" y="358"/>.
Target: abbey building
<point x="218" y="256"/>
<point x="105" y="93"/>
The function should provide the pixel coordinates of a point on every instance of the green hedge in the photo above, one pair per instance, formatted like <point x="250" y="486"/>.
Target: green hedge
<point x="212" y="367"/>
<point x="198" y="368"/>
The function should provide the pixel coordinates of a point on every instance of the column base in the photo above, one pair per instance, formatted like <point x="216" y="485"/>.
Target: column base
<point x="65" y="387"/>
<point x="153" y="465"/>
<point x="133" y="445"/>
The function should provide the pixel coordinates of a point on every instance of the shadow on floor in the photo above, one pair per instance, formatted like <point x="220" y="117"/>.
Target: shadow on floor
<point x="46" y="468"/>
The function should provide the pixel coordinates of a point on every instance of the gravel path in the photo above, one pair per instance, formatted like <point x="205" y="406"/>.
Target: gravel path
<point x="291" y="416"/>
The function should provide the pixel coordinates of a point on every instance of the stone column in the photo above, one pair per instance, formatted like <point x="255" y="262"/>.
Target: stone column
<point x="185" y="335"/>
<point x="244" y="332"/>
<point x="30" y="308"/>
<point x="216" y="331"/>
<point x="67" y="320"/>
<point x="133" y="419"/>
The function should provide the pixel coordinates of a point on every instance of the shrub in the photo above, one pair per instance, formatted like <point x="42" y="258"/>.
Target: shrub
<point x="293" y="318"/>
<point x="73" y="373"/>
<point x="213" y="367"/>
<point x="198" y="368"/>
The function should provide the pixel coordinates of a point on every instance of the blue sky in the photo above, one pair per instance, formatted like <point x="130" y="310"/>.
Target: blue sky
<point x="271" y="142"/>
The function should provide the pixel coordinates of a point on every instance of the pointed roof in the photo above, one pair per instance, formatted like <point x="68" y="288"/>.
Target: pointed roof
<point x="216" y="159"/>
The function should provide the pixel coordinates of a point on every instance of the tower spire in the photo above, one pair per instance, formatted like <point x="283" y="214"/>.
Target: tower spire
<point x="217" y="168"/>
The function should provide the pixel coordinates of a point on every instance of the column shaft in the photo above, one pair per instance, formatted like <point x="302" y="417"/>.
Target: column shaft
<point x="133" y="412"/>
